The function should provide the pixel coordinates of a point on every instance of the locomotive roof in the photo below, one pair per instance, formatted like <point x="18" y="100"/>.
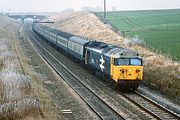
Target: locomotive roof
<point x="97" y="45"/>
<point x="119" y="52"/>
<point x="125" y="53"/>
<point x="110" y="51"/>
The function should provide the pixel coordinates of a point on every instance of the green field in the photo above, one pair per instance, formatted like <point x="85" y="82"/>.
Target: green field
<point x="160" y="29"/>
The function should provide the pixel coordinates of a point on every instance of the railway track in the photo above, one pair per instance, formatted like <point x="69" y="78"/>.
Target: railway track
<point x="151" y="107"/>
<point x="95" y="102"/>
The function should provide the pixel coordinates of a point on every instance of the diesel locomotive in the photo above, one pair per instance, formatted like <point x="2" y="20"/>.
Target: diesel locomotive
<point x="115" y="64"/>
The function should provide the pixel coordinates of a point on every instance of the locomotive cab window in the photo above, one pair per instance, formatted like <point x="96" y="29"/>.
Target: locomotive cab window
<point x="137" y="62"/>
<point x="127" y="61"/>
<point x="118" y="61"/>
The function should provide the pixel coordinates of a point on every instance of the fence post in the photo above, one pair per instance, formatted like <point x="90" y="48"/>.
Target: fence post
<point x="178" y="54"/>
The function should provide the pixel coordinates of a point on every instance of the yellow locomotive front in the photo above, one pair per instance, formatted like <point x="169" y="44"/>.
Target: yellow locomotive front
<point x="126" y="69"/>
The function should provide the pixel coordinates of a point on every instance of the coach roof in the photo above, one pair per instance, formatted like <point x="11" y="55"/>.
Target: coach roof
<point x="79" y="40"/>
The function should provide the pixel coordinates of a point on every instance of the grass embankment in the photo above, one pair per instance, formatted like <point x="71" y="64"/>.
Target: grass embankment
<point x="21" y="96"/>
<point x="159" y="71"/>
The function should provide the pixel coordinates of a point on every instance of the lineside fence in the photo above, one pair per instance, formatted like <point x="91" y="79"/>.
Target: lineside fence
<point x="111" y="26"/>
<point x="157" y="48"/>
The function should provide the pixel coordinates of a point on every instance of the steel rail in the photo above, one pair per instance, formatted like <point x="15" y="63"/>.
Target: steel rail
<point x="151" y="107"/>
<point x="167" y="111"/>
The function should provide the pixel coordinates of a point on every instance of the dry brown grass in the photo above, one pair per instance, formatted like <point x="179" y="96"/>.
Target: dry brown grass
<point x="16" y="100"/>
<point x="160" y="71"/>
<point x="16" y="97"/>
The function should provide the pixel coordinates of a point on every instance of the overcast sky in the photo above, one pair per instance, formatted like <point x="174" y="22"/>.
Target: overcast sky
<point x="59" y="5"/>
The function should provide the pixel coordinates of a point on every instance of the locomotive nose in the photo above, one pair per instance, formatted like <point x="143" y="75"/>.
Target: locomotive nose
<point x="130" y="73"/>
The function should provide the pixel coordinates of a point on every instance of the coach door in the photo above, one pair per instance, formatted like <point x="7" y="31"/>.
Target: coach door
<point x="87" y="56"/>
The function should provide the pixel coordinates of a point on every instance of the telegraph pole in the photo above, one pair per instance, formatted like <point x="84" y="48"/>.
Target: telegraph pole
<point x="105" y="9"/>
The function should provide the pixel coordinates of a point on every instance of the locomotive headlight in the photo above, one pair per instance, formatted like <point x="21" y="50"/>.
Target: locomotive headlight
<point x="130" y="70"/>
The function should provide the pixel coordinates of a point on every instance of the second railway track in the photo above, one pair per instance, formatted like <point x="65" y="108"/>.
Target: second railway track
<point x="151" y="107"/>
<point x="96" y="103"/>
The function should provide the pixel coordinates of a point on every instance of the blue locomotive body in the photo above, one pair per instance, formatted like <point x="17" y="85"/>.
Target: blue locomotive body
<point x="97" y="59"/>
